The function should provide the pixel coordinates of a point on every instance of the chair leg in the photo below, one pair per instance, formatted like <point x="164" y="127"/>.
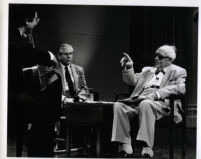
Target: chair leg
<point x="19" y="145"/>
<point x="171" y="135"/>
<point x="68" y="141"/>
<point x="85" y="139"/>
<point x="183" y="137"/>
<point x="171" y="145"/>
<point x="19" y="137"/>
<point x="171" y="140"/>
<point x="98" y="141"/>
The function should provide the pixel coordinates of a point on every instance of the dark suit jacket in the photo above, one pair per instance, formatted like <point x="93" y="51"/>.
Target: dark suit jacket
<point x="21" y="54"/>
<point x="43" y="104"/>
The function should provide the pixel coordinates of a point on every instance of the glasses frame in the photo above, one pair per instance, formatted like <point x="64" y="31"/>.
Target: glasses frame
<point x="161" y="57"/>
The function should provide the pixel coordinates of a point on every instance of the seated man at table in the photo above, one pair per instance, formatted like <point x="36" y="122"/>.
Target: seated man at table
<point x="148" y="100"/>
<point x="74" y="86"/>
<point x="73" y="78"/>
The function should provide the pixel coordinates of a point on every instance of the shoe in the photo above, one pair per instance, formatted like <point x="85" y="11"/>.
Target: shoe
<point x="126" y="147"/>
<point x="147" y="152"/>
<point x="123" y="154"/>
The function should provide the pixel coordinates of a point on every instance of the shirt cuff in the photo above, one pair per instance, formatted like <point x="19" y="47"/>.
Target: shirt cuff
<point x="62" y="98"/>
<point x="158" y="95"/>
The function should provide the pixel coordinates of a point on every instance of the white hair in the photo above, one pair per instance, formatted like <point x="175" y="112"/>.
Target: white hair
<point x="66" y="47"/>
<point x="168" y="51"/>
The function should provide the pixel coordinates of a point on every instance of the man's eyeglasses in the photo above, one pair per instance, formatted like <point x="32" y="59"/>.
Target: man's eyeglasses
<point x="160" y="57"/>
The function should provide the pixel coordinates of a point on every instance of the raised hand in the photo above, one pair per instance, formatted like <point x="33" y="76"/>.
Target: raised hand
<point x="126" y="61"/>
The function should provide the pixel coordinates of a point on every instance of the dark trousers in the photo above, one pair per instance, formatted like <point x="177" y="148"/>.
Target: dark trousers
<point x="42" y="139"/>
<point x="41" y="134"/>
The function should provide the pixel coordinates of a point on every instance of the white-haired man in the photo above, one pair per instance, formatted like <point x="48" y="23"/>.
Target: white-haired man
<point x="148" y="100"/>
<point x="73" y="77"/>
<point x="74" y="86"/>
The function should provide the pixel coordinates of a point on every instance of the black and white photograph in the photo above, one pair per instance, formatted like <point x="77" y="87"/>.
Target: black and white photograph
<point x="102" y="81"/>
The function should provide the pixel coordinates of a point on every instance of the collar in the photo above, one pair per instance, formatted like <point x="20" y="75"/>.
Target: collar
<point x="164" y="69"/>
<point x="63" y="66"/>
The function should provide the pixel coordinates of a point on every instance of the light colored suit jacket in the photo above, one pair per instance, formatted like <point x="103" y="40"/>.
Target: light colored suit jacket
<point x="80" y="84"/>
<point x="173" y="82"/>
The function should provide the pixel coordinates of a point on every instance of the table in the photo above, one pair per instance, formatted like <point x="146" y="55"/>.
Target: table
<point x="91" y="114"/>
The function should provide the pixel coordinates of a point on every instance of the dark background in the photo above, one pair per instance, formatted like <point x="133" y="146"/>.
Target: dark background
<point x="99" y="35"/>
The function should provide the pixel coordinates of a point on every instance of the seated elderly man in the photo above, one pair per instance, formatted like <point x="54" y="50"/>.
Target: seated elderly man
<point x="73" y="77"/>
<point x="74" y="85"/>
<point x="149" y="98"/>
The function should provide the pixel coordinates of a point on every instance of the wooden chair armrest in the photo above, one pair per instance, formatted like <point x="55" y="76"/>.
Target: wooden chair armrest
<point x="172" y="98"/>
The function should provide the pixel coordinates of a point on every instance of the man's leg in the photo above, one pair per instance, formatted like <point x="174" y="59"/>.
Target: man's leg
<point x="42" y="139"/>
<point x="121" y="125"/>
<point x="149" y="112"/>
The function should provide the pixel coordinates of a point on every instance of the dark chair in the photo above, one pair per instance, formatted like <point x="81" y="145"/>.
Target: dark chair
<point x="172" y="124"/>
<point x="169" y="120"/>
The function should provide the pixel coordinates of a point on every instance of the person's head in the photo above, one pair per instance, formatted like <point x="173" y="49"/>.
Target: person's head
<point x="22" y="16"/>
<point x="65" y="54"/>
<point x="48" y="68"/>
<point x="30" y="24"/>
<point x="164" y="56"/>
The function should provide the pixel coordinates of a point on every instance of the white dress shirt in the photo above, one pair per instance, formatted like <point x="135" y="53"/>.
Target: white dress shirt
<point x="156" y="79"/>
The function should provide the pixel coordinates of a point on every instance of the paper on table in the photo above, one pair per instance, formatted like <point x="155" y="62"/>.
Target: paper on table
<point x="104" y="102"/>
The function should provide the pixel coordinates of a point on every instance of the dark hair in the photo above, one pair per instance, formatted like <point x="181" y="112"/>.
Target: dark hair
<point x="51" y="64"/>
<point x="19" y="14"/>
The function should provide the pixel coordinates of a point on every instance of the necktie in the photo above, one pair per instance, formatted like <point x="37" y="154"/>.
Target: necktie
<point x="158" y="71"/>
<point x="69" y="81"/>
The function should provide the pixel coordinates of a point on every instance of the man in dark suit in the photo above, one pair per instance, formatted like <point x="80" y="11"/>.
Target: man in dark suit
<point x="23" y="54"/>
<point x="148" y="100"/>
<point x="43" y="87"/>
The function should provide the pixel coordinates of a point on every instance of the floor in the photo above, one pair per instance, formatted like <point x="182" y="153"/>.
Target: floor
<point x="160" y="148"/>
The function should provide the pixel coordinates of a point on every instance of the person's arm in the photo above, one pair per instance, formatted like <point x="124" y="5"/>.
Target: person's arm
<point x="65" y="99"/>
<point x="29" y="56"/>
<point x="82" y="94"/>
<point x="128" y="74"/>
<point x="176" y="86"/>
<point x="130" y="77"/>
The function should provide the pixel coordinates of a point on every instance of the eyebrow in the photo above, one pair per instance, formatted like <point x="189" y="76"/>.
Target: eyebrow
<point x="65" y="52"/>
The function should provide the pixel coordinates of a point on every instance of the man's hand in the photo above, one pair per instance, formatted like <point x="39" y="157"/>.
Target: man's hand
<point x="152" y="96"/>
<point x="68" y="100"/>
<point x="139" y="99"/>
<point x="126" y="61"/>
